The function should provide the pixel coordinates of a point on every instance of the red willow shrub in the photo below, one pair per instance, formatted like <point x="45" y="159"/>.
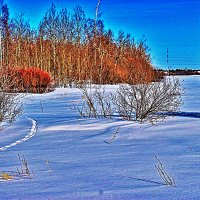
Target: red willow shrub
<point x="31" y="80"/>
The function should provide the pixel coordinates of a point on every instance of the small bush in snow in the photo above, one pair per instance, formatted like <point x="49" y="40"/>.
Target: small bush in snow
<point x="149" y="101"/>
<point x="10" y="106"/>
<point x="140" y="102"/>
<point x="96" y="102"/>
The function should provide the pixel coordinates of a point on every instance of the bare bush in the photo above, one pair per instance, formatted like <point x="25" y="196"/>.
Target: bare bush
<point x="148" y="101"/>
<point x="10" y="109"/>
<point x="10" y="106"/>
<point x="96" y="102"/>
<point x="141" y="102"/>
<point x="7" y="79"/>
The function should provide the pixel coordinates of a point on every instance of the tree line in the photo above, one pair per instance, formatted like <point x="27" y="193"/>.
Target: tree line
<point x="73" y="48"/>
<point x="179" y="72"/>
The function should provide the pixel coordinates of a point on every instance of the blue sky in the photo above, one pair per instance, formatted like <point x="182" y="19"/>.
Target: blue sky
<point x="172" y="24"/>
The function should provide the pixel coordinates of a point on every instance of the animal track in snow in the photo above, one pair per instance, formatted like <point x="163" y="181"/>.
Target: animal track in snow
<point x="27" y="137"/>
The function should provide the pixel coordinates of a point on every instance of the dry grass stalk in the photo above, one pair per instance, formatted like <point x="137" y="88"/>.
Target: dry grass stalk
<point x="165" y="176"/>
<point x="23" y="170"/>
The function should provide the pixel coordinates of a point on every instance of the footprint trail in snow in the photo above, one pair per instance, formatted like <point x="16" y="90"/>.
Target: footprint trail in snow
<point x="27" y="137"/>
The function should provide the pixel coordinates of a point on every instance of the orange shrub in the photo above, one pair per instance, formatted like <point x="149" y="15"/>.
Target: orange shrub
<point x="33" y="80"/>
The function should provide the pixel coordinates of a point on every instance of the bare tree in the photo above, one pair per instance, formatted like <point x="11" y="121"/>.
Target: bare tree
<point x="49" y="27"/>
<point x="1" y="32"/>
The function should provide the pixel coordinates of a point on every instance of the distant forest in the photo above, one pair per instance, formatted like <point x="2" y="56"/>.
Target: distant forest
<point x="179" y="72"/>
<point x="72" y="47"/>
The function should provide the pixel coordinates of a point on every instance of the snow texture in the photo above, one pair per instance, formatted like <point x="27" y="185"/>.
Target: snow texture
<point x="80" y="158"/>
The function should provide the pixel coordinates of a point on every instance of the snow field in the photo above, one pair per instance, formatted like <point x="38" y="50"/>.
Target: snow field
<point x="76" y="158"/>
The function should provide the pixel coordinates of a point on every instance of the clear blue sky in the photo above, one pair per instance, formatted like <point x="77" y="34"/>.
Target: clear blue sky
<point x="172" y="24"/>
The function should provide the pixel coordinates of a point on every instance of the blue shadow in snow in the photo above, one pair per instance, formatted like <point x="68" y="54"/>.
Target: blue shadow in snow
<point x="185" y="114"/>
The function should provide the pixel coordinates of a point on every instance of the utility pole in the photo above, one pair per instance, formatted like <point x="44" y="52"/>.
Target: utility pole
<point x="168" y="62"/>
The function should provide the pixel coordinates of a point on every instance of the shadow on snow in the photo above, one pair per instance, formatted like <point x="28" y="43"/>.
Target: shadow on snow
<point x="185" y="114"/>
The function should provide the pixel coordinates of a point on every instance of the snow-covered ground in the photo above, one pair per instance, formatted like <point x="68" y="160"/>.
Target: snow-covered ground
<point x="75" y="158"/>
